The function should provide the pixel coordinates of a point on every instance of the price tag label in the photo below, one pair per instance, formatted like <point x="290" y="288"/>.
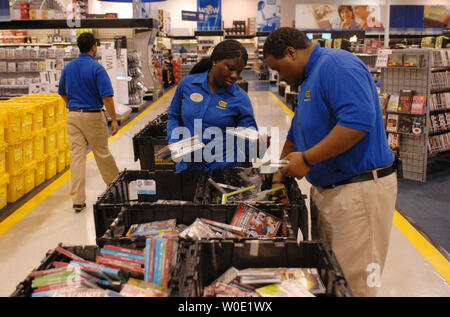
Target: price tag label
<point x="382" y="58"/>
<point x="146" y="187"/>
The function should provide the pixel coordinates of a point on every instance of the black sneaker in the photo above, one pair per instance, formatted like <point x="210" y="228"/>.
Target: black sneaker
<point x="79" y="208"/>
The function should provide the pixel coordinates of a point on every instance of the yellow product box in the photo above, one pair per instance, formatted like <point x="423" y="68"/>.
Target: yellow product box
<point x="28" y="152"/>
<point x="61" y="164"/>
<point x="16" y="186"/>
<point x="22" y="111"/>
<point x="14" y="156"/>
<point x="13" y="123"/>
<point x="61" y="135"/>
<point x="4" y="180"/>
<point x="50" y="140"/>
<point x="59" y="102"/>
<point x="51" y="165"/>
<point x="67" y="156"/>
<point x="3" y="125"/>
<point x="39" y="144"/>
<point x="43" y="112"/>
<point x="39" y="175"/>
<point x="29" y="177"/>
<point x="2" y="159"/>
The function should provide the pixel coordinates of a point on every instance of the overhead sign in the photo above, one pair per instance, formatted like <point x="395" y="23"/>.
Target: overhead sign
<point x="4" y="10"/>
<point x="213" y="15"/>
<point x="192" y="16"/>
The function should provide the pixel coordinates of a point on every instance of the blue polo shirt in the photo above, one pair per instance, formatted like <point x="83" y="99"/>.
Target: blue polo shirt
<point x="227" y="107"/>
<point x="338" y="89"/>
<point x="85" y="83"/>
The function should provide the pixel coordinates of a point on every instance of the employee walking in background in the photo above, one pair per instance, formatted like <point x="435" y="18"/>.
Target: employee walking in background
<point x="210" y="93"/>
<point x="86" y="87"/>
<point x="337" y="140"/>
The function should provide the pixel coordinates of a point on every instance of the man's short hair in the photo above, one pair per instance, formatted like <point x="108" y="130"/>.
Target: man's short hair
<point x="85" y="42"/>
<point x="278" y="40"/>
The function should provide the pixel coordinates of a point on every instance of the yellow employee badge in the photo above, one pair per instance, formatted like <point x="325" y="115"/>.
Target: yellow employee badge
<point x="222" y="104"/>
<point x="196" y="97"/>
<point x="308" y="95"/>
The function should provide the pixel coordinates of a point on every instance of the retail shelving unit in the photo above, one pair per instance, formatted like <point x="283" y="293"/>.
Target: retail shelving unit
<point x="207" y="40"/>
<point x="140" y="34"/>
<point x="414" y="149"/>
<point x="250" y="43"/>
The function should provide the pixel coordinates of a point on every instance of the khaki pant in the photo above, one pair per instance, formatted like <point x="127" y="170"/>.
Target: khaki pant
<point x="355" y="221"/>
<point x="88" y="129"/>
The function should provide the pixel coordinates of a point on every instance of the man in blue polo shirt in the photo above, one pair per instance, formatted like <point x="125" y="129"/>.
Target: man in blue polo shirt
<point x="86" y="87"/>
<point x="337" y="140"/>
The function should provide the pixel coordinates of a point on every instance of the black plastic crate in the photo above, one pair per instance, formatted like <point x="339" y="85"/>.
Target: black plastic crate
<point x="88" y="253"/>
<point x="244" y="177"/>
<point x="148" y="142"/>
<point x="186" y="214"/>
<point x="185" y="255"/>
<point x="215" y="257"/>
<point x="169" y="186"/>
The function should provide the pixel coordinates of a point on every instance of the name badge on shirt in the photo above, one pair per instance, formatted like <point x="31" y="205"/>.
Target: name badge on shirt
<point x="196" y="97"/>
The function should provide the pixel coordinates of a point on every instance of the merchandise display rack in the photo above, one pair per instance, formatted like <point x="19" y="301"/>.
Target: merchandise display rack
<point x="415" y="149"/>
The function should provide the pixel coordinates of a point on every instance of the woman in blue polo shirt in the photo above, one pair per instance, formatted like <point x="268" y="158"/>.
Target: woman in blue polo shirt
<point x="209" y="101"/>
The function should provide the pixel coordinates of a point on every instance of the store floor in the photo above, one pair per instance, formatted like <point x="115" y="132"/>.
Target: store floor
<point x="413" y="267"/>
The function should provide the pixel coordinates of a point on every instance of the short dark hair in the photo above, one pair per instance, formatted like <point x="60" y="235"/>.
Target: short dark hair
<point x="85" y="42"/>
<point x="278" y="40"/>
<point x="224" y="50"/>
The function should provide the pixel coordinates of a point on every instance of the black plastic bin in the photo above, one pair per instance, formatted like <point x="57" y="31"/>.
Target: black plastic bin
<point x="90" y="252"/>
<point x="215" y="257"/>
<point x="148" y="142"/>
<point x="186" y="214"/>
<point x="234" y="177"/>
<point x="169" y="186"/>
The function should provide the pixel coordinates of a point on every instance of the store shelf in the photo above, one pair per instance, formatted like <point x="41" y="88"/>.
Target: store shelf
<point x="209" y="33"/>
<point x="406" y="113"/>
<point x="438" y="132"/>
<point x="440" y="68"/>
<point x="240" y="37"/>
<point x="84" y="23"/>
<point x="439" y="110"/>
<point x="14" y="87"/>
<point x="34" y="44"/>
<point x="438" y="90"/>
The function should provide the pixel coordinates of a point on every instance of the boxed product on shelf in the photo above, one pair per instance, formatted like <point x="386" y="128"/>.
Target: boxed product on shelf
<point x="2" y="53"/>
<point x="4" y="180"/>
<point x="11" y="67"/>
<point x="10" y="53"/>
<point x="3" y="67"/>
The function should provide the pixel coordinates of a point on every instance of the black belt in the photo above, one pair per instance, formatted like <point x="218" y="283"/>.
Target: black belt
<point x="86" y="109"/>
<point x="366" y="176"/>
